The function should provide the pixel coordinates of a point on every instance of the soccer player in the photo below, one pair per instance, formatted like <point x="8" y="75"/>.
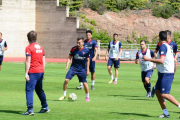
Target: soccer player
<point x="146" y="66"/>
<point x="92" y="46"/>
<point x="174" y="47"/>
<point x="114" y="50"/>
<point x="34" y="73"/>
<point x="165" y="67"/>
<point x="80" y="66"/>
<point x="3" y="47"/>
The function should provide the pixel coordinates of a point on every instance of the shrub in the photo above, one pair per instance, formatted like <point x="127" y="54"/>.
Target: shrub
<point x="164" y="10"/>
<point x="176" y="37"/>
<point x="93" y="22"/>
<point x="73" y="4"/>
<point x="137" y="4"/>
<point x="122" y="4"/>
<point x="86" y="20"/>
<point x="177" y="15"/>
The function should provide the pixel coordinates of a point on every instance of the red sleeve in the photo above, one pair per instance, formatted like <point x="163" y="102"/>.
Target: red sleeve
<point x="28" y="52"/>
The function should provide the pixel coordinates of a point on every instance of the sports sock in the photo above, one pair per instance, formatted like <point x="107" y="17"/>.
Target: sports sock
<point x="145" y="86"/>
<point x="87" y="95"/>
<point x="64" y="93"/>
<point x="165" y="112"/>
<point x="179" y="106"/>
<point x="81" y="83"/>
<point x="112" y="77"/>
<point x="148" y="87"/>
<point x="92" y="81"/>
<point x="116" y="79"/>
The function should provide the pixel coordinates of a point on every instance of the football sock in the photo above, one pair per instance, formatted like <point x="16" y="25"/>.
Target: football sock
<point x="165" y="112"/>
<point x="116" y="79"/>
<point x="87" y="95"/>
<point x="64" y="93"/>
<point x="81" y="83"/>
<point x="92" y="81"/>
<point x="179" y="106"/>
<point x="145" y="86"/>
<point x="112" y="77"/>
<point x="148" y="87"/>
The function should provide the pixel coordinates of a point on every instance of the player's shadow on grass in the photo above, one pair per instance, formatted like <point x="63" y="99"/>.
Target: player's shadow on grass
<point x="124" y="96"/>
<point x="143" y="99"/>
<point x="137" y="114"/>
<point x="11" y="111"/>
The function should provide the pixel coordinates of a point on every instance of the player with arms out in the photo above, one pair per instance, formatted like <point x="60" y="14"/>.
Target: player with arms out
<point x="114" y="50"/>
<point x="3" y="47"/>
<point x="165" y="68"/>
<point x="92" y="46"/>
<point x="146" y="66"/>
<point x="34" y="73"/>
<point x="80" y="66"/>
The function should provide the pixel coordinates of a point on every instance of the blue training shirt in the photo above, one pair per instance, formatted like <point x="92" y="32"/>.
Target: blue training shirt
<point x="79" y="58"/>
<point x="91" y="45"/>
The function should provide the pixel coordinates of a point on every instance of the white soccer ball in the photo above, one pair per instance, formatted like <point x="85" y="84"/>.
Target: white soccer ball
<point x="72" y="97"/>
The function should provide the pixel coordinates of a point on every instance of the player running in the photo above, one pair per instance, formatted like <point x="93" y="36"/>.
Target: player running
<point x="34" y="73"/>
<point x="80" y="66"/>
<point x="165" y="67"/>
<point x="3" y="47"/>
<point x="92" y="46"/>
<point x="146" y="66"/>
<point x="174" y="47"/>
<point x="114" y="50"/>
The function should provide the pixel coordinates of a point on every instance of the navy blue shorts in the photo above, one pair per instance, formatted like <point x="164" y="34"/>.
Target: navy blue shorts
<point x="1" y="60"/>
<point x="164" y="82"/>
<point x="81" y="75"/>
<point x="112" y="61"/>
<point x="92" y="66"/>
<point x="145" y="74"/>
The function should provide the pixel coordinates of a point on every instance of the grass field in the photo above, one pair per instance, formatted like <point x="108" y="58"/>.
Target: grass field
<point x="124" y="101"/>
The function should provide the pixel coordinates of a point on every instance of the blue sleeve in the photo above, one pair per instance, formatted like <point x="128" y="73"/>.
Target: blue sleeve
<point x="5" y="44"/>
<point x="120" y="45"/>
<point x="95" y="44"/>
<point x="71" y="52"/>
<point x="88" y="54"/>
<point x="137" y="56"/>
<point x="163" y="50"/>
<point x="175" y="48"/>
<point x="152" y="53"/>
<point x="157" y="47"/>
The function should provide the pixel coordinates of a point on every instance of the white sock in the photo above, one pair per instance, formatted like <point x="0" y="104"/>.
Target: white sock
<point x="87" y="95"/>
<point x="81" y="83"/>
<point x="165" y="112"/>
<point x="112" y="77"/>
<point x="64" y="93"/>
<point x="116" y="79"/>
<point x="92" y="81"/>
<point x="179" y="106"/>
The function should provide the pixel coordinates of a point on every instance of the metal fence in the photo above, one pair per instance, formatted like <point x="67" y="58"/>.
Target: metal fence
<point x="129" y="50"/>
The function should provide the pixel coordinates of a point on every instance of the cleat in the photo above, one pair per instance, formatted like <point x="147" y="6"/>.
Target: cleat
<point x="62" y="98"/>
<point x="80" y="87"/>
<point x="29" y="112"/>
<point x="87" y="99"/>
<point x="111" y="81"/>
<point x="92" y="87"/>
<point x="164" y="116"/>
<point x="44" y="110"/>
<point x="153" y="92"/>
<point x="115" y="82"/>
<point x="148" y="94"/>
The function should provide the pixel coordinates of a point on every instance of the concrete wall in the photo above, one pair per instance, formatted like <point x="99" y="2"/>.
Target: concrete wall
<point x="57" y="32"/>
<point x="17" y="18"/>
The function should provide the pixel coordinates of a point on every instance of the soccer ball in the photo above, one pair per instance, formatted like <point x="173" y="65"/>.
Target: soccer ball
<point x="72" y="97"/>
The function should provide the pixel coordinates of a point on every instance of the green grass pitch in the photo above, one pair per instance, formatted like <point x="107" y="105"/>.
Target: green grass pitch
<point x="124" y="101"/>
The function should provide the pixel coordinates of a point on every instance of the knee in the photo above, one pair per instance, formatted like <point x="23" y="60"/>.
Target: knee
<point x="66" y="81"/>
<point x="147" y="80"/>
<point x="109" y="67"/>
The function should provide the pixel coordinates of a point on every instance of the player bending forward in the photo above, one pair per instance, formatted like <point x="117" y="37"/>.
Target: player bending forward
<point x="80" y="67"/>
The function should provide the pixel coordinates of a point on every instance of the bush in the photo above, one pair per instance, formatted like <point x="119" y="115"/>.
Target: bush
<point x="86" y="20"/>
<point x="176" y="37"/>
<point x="122" y="4"/>
<point x="93" y="22"/>
<point x="73" y="4"/>
<point x="177" y="15"/>
<point x="164" y="10"/>
<point x="111" y="5"/>
<point x="137" y="4"/>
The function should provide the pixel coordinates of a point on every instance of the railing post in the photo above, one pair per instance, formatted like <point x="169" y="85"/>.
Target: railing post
<point x="57" y="2"/>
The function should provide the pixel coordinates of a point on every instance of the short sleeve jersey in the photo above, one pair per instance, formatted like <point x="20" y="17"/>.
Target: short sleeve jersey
<point x="120" y="45"/>
<point x="91" y="45"/>
<point x="171" y="43"/>
<point x="5" y="44"/>
<point x="144" y="53"/>
<point x="79" y="58"/>
<point x="36" y="52"/>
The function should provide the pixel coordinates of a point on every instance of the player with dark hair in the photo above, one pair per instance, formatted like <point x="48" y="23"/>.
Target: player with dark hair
<point x="80" y="66"/>
<point x="165" y="68"/>
<point x="146" y="66"/>
<point x="34" y="73"/>
<point x="92" y="46"/>
<point x="3" y="47"/>
<point x="114" y="50"/>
